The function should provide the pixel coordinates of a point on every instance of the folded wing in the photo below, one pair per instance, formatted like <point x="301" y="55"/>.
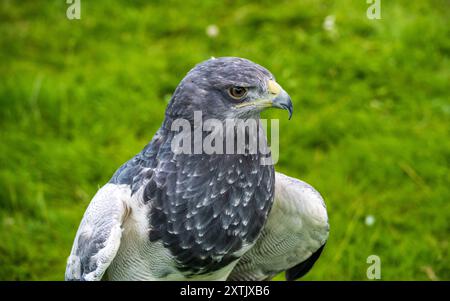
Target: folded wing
<point x="293" y="237"/>
<point x="98" y="236"/>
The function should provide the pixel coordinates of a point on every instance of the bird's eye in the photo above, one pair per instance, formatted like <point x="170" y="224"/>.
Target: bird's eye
<point x="237" y="92"/>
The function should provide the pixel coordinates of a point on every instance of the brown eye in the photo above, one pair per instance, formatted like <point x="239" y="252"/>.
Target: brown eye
<point x="237" y="92"/>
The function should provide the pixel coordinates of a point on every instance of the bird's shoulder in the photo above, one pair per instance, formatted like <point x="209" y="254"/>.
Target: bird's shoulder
<point x="296" y="228"/>
<point x="300" y="201"/>
<point x="98" y="237"/>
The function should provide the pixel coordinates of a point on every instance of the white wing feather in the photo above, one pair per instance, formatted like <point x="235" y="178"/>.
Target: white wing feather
<point x="297" y="227"/>
<point x="99" y="234"/>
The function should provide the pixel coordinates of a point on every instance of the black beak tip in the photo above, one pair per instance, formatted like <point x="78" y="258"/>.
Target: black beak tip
<point x="289" y="107"/>
<point x="283" y="101"/>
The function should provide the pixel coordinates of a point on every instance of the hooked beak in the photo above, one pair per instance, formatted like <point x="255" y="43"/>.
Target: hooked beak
<point x="277" y="98"/>
<point x="281" y="100"/>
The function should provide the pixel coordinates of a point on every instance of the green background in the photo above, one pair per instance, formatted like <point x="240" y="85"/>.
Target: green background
<point x="370" y="129"/>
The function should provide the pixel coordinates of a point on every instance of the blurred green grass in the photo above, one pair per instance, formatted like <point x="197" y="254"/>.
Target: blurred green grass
<point x="370" y="131"/>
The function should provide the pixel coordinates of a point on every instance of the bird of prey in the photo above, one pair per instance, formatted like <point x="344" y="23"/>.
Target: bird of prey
<point x="166" y="215"/>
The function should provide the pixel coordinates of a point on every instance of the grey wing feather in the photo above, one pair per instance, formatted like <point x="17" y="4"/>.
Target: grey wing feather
<point x="98" y="236"/>
<point x="296" y="229"/>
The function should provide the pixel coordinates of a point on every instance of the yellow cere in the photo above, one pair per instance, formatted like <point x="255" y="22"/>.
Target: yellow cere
<point x="273" y="87"/>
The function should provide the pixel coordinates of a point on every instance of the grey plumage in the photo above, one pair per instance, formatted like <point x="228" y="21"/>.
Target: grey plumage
<point x="189" y="215"/>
